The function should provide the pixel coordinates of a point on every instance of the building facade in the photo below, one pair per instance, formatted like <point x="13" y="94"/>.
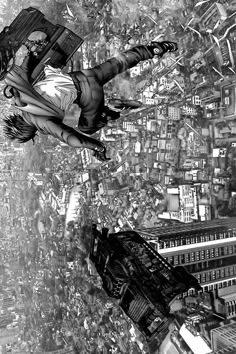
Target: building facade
<point x="206" y="249"/>
<point x="213" y="16"/>
<point x="228" y="94"/>
<point x="141" y="280"/>
<point x="224" y="337"/>
<point x="8" y="336"/>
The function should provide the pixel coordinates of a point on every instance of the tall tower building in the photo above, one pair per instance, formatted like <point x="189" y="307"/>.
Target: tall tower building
<point x="142" y="281"/>
<point x="66" y="350"/>
<point x="7" y="302"/>
<point x="8" y="336"/>
<point x="206" y="249"/>
<point x="224" y="338"/>
<point x="6" y="319"/>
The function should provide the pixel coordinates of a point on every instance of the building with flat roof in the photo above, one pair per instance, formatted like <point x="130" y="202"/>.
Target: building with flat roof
<point x="214" y="16"/>
<point x="8" y="336"/>
<point x="228" y="94"/>
<point x="195" y="341"/>
<point x="141" y="280"/>
<point x="223" y="337"/>
<point x="206" y="249"/>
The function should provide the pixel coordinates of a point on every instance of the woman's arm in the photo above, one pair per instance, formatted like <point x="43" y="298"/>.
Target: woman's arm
<point x="68" y="135"/>
<point x="28" y="66"/>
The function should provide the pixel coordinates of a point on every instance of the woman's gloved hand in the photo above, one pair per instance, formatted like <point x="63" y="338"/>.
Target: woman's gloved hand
<point x="100" y="154"/>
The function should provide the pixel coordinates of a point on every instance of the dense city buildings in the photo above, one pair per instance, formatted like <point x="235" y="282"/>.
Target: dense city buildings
<point x="142" y="281"/>
<point x="171" y="178"/>
<point x="224" y="338"/>
<point x="205" y="249"/>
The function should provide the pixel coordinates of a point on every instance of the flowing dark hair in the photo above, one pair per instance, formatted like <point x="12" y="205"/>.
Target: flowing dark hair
<point x="15" y="128"/>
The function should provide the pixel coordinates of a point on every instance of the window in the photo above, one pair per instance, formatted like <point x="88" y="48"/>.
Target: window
<point x="166" y="244"/>
<point x="216" y="252"/>
<point x="192" y="256"/>
<point x="172" y="243"/>
<point x="177" y="242"/>
<point x="202" y="238"/>
<point x="202" y="254"/>
<point x="187" y="258"/>
<point x="212" y="237"/>
<point x="197" y="239"/>
<point x="212" y="253"/>
<point x="197" y="255"/>
<point x="207" y="254"/>
<point x="203" y="277"/>
<point x="176" y="260"/>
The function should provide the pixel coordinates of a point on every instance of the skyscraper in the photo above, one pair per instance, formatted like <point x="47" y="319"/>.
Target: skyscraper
<point x="142" y="281"/>
<point x="224" y="337"/>
<point x="8" y="336"/>
<point x="206" y="249"/>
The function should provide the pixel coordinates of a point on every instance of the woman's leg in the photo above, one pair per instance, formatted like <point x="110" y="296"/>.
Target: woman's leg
<point x="90" y="83"/>
<point x="128" y="59"/>
<point x="117" y="65"/>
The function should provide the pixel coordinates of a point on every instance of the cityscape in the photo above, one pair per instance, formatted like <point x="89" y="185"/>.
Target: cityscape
<point x="135" y="254"/>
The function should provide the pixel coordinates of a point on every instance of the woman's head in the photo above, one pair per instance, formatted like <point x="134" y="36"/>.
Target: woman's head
<point x="15" y="128"/>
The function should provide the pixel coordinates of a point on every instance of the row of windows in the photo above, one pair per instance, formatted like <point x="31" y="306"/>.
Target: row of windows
<point x="197" y="256"/>
<point x="217" y="274"/>
<point x="198" y="238"/>
<point x="210" y="287"/>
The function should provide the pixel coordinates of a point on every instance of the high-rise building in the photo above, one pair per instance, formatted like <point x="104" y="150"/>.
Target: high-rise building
<point x="8" y="336"/>
<point x="67" y="350"/>
<point x="206" y="249"/>
<point x="213" y="16"/>
<point x="173" y="113"/>
<point x="213" y="57"/>
<point x="228" y="94"/>
<point x="6" y="319"/>
<point x="141" y="280"/>
<point x="59" y="261"/>
<point x="8" y="302"/>
<point x="224" y="337"/>
<point x="88" y="160"/>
